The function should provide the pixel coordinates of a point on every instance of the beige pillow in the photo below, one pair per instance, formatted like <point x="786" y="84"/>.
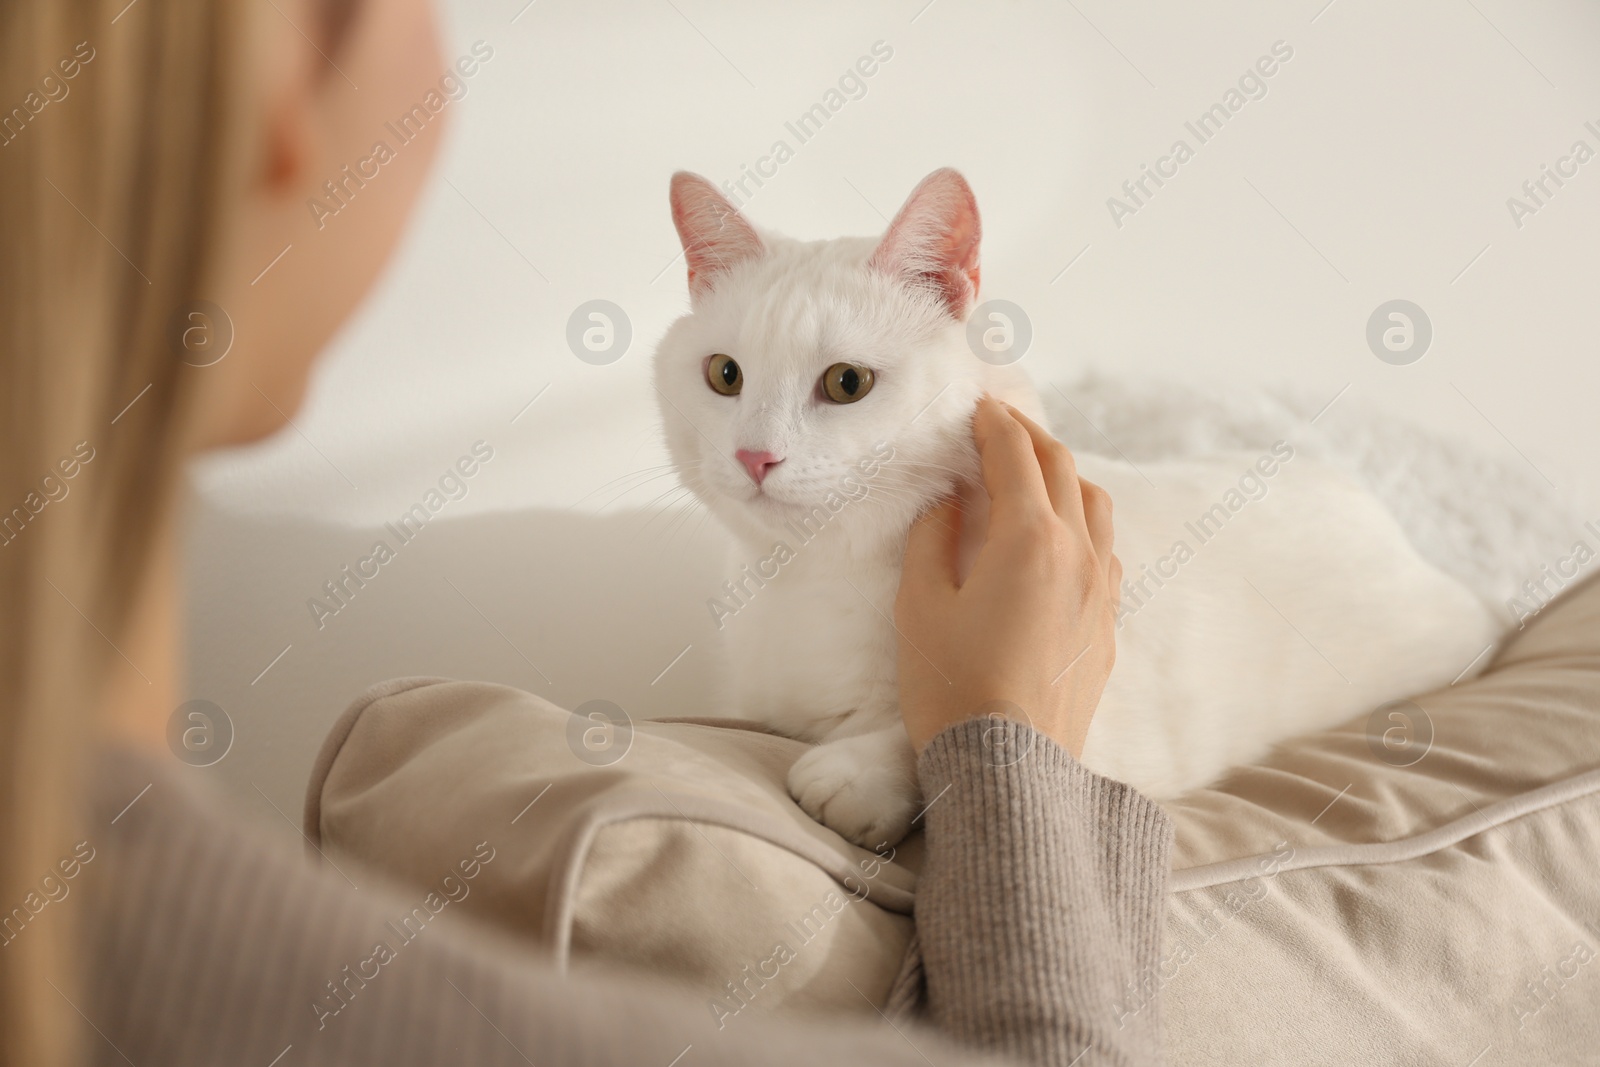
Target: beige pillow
<point x="1361" y="893"/>
<point x="1341" y="903"/>
<point x="672" y="845"/>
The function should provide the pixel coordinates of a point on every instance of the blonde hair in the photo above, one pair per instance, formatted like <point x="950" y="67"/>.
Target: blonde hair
<point x="116" y="181"/>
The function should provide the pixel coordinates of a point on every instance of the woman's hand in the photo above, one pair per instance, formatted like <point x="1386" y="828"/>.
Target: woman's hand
<point x="1031" y="634"/>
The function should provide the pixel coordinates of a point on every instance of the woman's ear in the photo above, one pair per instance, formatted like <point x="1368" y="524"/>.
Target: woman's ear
<point x="288" y="119"/>
<point x="715" y="236"/>
<point x="933" y="242"/>
<point x="286" y="153"/>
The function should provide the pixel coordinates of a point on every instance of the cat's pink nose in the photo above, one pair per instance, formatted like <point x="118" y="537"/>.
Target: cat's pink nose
<point x="757" y="463"/>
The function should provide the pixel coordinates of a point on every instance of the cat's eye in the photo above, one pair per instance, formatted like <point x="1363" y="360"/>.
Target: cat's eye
<point x="724" y="375"/>
<point x="845" y="383"/>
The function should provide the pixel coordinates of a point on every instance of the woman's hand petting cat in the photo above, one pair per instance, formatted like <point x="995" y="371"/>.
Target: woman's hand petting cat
<point x="1031" y="633"/>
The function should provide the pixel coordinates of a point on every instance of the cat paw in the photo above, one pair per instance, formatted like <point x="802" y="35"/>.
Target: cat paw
<point x="849" y="789"/>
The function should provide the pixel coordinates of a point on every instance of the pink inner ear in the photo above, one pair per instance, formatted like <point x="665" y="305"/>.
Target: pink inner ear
<point x="933" y="241"/>
<point x="714" y="235"/>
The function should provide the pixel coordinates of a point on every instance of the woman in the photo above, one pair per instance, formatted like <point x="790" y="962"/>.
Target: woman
<point x="156" y="166"/>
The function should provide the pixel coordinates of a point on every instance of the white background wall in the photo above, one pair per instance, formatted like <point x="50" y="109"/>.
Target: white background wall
<point x="1377" y="166"/>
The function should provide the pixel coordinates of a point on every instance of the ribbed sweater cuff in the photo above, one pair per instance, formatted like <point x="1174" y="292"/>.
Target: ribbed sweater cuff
<point x="1042" y="900"/>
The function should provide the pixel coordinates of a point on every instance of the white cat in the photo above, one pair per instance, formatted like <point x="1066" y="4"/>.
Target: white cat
<point x="819" y="395"/>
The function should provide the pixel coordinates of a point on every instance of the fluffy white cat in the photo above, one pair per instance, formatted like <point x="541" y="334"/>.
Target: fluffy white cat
<point x="819" y="395"/>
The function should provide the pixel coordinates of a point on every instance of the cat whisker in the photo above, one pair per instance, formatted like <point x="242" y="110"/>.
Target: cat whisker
<point x="670" y="512"/>
<point x="924" y="490"/>
<point x="662" y="501"/>
<point x="644" y="478"/>
<point x="932" y="475"/>
<point x="705" y="513"/>
<point x="901" y="462"/>
<point x="688" y="511"/>
<point x="631" y="474"/>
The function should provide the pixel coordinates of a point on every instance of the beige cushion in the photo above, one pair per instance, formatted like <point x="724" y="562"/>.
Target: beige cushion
<point x="1328" y="904"/>
<point x="1428" y="912"/>
<point x="685" y="855"/>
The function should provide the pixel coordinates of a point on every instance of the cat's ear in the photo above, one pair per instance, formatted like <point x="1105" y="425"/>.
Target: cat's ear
<point x="715" y="236"/>
<point x="933" y="241"/>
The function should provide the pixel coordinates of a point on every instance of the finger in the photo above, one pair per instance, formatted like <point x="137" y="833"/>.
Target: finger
<point x="1097" y="517"/>
<point x="1114" y="582"/>
<point x="1011" y="473"/>
<point x="1059" y="469"/>
<point x="932" y="547"/>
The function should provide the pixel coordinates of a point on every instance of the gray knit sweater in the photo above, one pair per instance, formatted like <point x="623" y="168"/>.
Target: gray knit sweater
<point x="1040" y="901"/>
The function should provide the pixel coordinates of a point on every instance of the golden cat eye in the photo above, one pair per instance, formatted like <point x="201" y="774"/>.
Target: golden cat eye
<point x="845" y="383"/>
<point x="724" y="375"/>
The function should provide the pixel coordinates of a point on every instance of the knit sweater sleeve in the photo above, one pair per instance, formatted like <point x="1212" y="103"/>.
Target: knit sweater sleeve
<point x="206" y="944"/>
<point x="1041" y="901"/>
